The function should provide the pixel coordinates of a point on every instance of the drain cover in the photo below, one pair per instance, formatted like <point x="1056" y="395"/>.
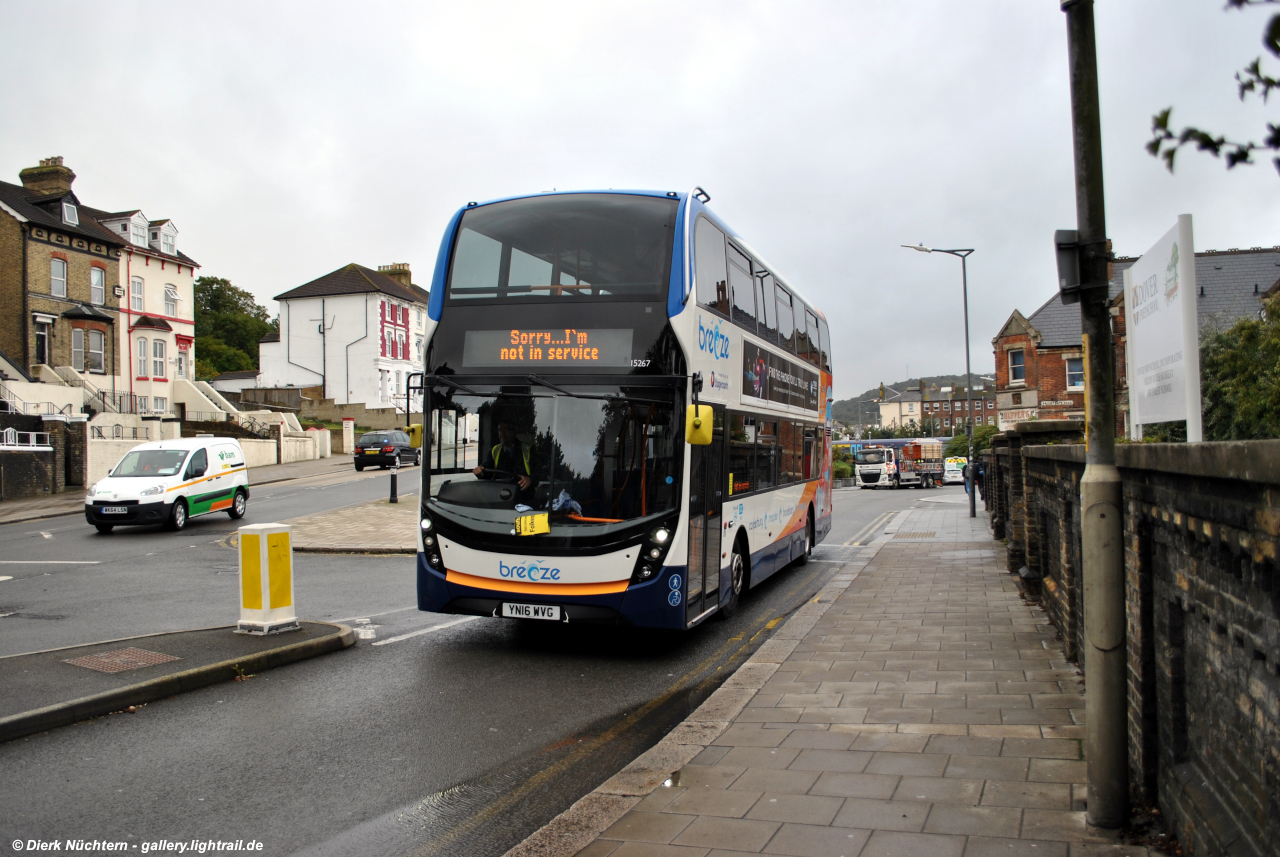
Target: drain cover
<point x="914" y="536"/>
<point x="121" y="660"/>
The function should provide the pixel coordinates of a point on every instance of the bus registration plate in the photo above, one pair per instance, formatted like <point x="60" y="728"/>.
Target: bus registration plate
<point x="531" y="611"/>
<point x="532" y="525"/>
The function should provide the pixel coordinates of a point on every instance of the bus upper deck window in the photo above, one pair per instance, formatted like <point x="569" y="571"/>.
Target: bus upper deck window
<point x="743" y="288"/>
<point x="709" y="263"/>
<point x="786" y="321"/>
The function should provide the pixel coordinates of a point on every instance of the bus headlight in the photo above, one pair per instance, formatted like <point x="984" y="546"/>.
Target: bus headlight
<point x="425" y="523"/>
<point x="661" y="535"/>
<point x="646" y="572"/>
<point x="655" y="553"/>
<point x="428" y="540"/>
<point x="434" y="559"/>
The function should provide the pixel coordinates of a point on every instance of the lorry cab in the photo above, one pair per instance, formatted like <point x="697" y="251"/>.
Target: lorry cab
<point x="169" y="482"/>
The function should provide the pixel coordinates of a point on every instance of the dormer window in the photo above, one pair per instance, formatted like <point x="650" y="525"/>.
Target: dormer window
<point x="140" y="234"/>
<point x="168" y="244"/>
<point x="70" y="214"/>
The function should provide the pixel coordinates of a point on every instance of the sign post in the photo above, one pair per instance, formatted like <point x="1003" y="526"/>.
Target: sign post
<point x="1163" y="334"/>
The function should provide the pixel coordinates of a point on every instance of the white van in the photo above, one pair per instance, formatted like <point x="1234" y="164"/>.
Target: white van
<point x="953" y="471"/>
<point x="169" y="482"/>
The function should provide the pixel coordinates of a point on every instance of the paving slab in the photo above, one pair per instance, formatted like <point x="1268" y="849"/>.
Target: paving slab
<point x="917" y="706"/>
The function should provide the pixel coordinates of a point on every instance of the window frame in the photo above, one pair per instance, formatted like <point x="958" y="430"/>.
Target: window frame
<point x="137" y="230"/>
<point x="1066" y="364"/>
<point x="1022" y="366"/>
<point x="97" y="285"/>
<point x="144" y="354"/>
<point x="168" y="244"/>
<point x="137" y="295"/>
<point x="55" y="279"/>
<point x="158" y="358"/>
<point x="100" y="351"/>
<point x="77" y="348"/>
<point x="70" y="214"/>
<point x="171" y="299"/>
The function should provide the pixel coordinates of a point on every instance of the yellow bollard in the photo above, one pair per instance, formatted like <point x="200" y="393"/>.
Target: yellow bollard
<point x="266" y="580"/>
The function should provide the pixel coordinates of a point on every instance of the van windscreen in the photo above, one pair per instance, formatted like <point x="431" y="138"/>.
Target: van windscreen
<point x="151" y="462"/>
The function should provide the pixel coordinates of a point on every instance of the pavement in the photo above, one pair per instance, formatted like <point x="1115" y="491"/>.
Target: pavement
<point x="56" y="687"/>
<point x="916" y="706"/>
<point x="71" y="502"/>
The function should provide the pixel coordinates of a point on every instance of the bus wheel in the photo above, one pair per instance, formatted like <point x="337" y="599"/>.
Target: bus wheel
<point x="808" y="541"/>
<point x="737" y="579"/>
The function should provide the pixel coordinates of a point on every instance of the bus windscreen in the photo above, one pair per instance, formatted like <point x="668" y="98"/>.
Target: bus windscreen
<point x="567" y="246"/>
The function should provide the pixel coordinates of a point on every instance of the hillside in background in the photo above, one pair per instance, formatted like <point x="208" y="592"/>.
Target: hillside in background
<point x="846" y="410"/>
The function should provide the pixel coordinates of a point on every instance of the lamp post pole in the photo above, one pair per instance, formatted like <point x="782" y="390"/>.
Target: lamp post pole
<point x="969" y="481"/>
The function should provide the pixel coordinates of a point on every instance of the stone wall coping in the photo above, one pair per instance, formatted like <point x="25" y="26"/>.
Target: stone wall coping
<point x="1244" y="460"/>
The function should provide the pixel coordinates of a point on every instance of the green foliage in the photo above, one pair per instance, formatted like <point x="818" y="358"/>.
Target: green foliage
<point x="1165" y="142"/>
<point x="229" y="323"/>
<point x="841" y="470"/>
<point x="1240" y="378"/>
<point x="958" y="446"/>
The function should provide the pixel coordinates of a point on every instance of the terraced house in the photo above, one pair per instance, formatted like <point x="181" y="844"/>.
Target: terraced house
<point x="99" y="300"/>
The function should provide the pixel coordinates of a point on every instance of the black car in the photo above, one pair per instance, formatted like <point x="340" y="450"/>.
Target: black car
<point x="386" y="448"/>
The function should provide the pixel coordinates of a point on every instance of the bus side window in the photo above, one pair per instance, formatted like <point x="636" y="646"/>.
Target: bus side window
<point x="767" y="319"/>
<point x="743" y="287"/>
<point x="786" y="322"/>
<point x="741" y="453"/>
<point x="709" y="264"/>
<point x="802" y="332"/>
<point x="787" y="446"/>
<point x="766" y="453"/>
<point x="824" y="344"/>
<point x="812" y="454"/>
<point x="811" y="321"/>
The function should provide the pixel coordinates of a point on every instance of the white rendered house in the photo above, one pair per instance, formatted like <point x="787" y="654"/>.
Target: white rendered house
<point x="355" y="332"/>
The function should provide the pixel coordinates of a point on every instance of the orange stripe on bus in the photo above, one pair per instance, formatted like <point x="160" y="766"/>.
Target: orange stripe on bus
<point x="536" y="588"/>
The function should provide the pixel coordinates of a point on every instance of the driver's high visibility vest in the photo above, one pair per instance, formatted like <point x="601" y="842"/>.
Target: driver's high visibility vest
<point x="496" y="452"/>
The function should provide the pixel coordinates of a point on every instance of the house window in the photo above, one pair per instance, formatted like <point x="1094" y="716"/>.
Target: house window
<point x="77" y="349"/>
<point x="1017" y="368"/>
<point x="58" y="278"/>
<point x="69" y="214"/>
<point x="159" y="404"/>
<point x="97" y="286"/>
<point x="1075" y="373"/>
<point x="170" y="300"/>
<point x="946" y="406"/>
<point x="135" y="294"/>
<point x="142" y="357"/>
<point x="157" y="359"/>
<point x="168" y="244"/>
<point x="97" y="347"/>
<point x="991" y="404"/>
<point x="946" y="421"/>
<point x="419" y="318"/>
<point x="140" y="234"/>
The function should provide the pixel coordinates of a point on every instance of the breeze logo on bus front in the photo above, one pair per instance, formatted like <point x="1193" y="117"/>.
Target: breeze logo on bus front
<point x="712" y="341"/>
<point x="534" y="570"/>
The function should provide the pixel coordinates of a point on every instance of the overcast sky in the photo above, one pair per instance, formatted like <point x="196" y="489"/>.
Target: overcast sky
<point x="288" y="139"/>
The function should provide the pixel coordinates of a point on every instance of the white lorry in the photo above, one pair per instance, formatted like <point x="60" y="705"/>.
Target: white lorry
<point x="917" y="463"/>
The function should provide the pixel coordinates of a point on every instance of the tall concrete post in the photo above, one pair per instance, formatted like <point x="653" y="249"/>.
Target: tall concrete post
<point x="1106" y="698"/>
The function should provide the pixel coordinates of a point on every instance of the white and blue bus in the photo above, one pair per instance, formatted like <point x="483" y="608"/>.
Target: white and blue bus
<point x="628" y="413"/>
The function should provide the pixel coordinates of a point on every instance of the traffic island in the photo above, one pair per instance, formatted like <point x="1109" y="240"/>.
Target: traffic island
<point x="57" y="687"/>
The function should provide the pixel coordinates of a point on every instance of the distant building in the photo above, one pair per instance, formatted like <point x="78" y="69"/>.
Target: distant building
<point x="1040" y="358"/>
<point x="234" y="382"/>
<point x="937" y="412"/>
<point x="355" y="332"/>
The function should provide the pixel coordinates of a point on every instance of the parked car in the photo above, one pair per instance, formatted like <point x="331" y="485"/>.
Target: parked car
<point x="169" y="482"/>
<point x="953" y="473"/>
<point x="386" y="448"/>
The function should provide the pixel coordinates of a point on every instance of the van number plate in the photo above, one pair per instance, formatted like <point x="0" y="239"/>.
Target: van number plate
<point x="531" y="611"/>
<point x="114" y="510"/>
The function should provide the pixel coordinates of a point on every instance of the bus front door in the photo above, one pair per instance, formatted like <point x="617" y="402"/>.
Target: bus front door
<point x="706" y="499"/>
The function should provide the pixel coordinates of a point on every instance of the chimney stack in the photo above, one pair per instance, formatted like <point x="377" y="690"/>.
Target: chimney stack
<point x="398" y="271"/>
<point x="51" y="177"/>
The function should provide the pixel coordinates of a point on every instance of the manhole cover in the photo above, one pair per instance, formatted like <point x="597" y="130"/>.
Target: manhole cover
<point x="121" y="660"/>
<point x="914" y="536"/>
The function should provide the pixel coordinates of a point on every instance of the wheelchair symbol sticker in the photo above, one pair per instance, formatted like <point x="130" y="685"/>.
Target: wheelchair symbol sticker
<point x="674" y="598"/>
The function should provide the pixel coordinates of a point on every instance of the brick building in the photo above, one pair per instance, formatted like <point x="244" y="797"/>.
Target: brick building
<point x="1040" y="361"/>
<point x="938" y="412"/>
<point x="59" y="277"/>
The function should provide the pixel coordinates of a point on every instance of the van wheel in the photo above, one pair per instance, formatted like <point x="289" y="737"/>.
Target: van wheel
<point x="737" y="580"/>
<point x="178" y="517"/>
<point x="105" y="528"/>
<point x="238" y="506"/>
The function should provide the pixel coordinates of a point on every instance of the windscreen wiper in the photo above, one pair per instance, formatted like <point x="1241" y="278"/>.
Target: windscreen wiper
<point x="543" y="382"/>
<point x="601" y="397"/>
<point x="441" y="379"/>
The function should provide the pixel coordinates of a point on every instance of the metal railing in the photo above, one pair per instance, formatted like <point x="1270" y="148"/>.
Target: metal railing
<point x="261" y="429"/>
<point x="11" y="404"/>
<point x="105" y="401"/>
<point x="119" y="432"/>
<point x="14" y="439"/>
<point x="206" y="416"/>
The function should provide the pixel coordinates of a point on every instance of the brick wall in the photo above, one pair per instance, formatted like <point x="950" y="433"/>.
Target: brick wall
<point x="80" y="255"/>
<point x="12" y="331"/>
<point x="1201" y="537"/>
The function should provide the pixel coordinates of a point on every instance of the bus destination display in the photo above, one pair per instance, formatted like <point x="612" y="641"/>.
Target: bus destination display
<point x="568" y="347"/>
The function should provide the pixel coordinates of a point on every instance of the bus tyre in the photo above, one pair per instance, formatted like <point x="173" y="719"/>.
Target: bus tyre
<point x="238" y="506"/>
<point x="178" y="515"/>
<point x="803" y="559"/>
<point x="105" y="528"/>
<point x="737" y="580"/>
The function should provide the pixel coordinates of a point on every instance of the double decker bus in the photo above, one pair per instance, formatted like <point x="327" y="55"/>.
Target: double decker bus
<point x="628" y="412"/>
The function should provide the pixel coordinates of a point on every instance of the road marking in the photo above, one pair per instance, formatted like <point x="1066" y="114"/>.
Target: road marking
<point x="372" y="615"/>
<point x="422" y="631"/>
<point x="49" y="561"/>
<point x="46" y="535"/>
<point x="6" y="577"/>
<point x="875" y="524"/>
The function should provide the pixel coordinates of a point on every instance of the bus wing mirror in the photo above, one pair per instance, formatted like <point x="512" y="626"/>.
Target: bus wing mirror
<point x="697" y="425"/>
<point x="415" y="433"/>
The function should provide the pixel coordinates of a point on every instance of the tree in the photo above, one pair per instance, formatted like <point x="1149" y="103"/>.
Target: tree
<point x="1252" y="80"/>
<point x="229" y="323"/>
<point x="1240" y="378"/>
<point x="958" y="446"/>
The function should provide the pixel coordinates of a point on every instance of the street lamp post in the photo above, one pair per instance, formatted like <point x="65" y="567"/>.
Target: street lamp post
<point x="970" y="481"/>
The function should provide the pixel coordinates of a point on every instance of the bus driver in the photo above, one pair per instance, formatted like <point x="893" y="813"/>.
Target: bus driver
<point x="508" y="456"/>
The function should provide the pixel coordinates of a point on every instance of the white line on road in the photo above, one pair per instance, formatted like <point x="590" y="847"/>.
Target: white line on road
<point x="6" y="577"/>
<point x="372" y="615"/>
<point x="49" y="561"/>
<point x="422" y="631"/>
<point x="874" y="525"/>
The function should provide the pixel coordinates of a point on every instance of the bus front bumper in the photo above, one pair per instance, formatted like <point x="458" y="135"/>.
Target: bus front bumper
<point x="646" y="604"/>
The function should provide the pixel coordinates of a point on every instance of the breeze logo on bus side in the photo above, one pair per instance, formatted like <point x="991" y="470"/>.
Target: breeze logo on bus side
<point x="529" y="570"/>
<point x="712" y="341"/>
